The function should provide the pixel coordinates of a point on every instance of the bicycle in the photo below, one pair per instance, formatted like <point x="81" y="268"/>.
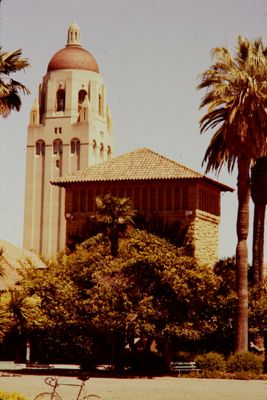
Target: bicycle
<point x="54" y="395"/>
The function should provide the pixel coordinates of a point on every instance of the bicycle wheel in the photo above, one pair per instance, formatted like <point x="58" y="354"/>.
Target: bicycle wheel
<point x="46" y="396"/>
<point x="91" y="397"/>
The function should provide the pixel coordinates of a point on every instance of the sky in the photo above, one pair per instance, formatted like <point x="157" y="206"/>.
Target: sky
<point x="150" y="54"/>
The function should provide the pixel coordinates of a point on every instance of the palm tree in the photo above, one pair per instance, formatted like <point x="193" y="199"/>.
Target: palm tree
<point x="116" y="216"/>
<point x="236" y="98"/>
<point x="9" y="88"/>
<point x="259" y="197"/>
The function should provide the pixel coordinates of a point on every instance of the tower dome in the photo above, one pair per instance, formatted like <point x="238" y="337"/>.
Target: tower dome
<point x="73" y="56"/>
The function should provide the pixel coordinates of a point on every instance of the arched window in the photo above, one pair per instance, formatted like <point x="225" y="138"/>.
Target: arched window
<point x="81" y="96"/>
<point x="94" y="144"/>
<point x="57" y="146"/>
<point x="61" y="100"/>
<point x="75" y="146"/>
<point x="40" y="147"/>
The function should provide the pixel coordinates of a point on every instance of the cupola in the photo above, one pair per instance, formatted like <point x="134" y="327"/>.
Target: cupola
<point x="73" y="55"/>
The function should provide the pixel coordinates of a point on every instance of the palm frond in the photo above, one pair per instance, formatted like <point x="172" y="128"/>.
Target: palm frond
<point x="11" y="61"/>
<point x="10" y="89"/>
<point x="236" y="102"/>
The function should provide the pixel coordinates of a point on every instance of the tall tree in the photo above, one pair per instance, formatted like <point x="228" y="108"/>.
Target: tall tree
<point x="116" y="216"/>
<point x="259" y="197"/>
<point x="236" y="98"/>
<point x="10" y="89"/>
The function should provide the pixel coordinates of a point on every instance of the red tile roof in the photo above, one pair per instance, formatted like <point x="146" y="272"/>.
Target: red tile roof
<point x="140" y="164"/>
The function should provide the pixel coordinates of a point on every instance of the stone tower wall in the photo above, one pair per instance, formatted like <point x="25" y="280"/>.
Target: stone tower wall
<point x="204" y="235"/>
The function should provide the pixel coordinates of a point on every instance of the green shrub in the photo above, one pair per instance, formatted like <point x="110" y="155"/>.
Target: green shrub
<point x="245" y="362"/>
<point x="210" y="362"/>
<point x="11" y="396"/>
<point x="244" y="375"/>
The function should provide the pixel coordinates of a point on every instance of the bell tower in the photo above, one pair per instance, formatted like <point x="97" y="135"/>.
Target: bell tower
<point x="70" y="128"/>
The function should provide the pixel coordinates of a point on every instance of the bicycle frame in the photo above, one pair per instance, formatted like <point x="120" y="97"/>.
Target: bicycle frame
<point x="53" y="382"/>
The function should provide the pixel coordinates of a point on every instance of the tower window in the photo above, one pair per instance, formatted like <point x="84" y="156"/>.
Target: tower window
<point x="81" y="97"/>
<point x="58" y="130"/>
<point x="75" y="146"/>
<point x="40" y="147"/>
<point x="61" y="100"/>
<point x="57" y="146"/>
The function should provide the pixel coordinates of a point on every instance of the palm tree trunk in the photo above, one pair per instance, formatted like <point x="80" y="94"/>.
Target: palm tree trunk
<point x="243" y="193"/>
<point x="258" y="243"/>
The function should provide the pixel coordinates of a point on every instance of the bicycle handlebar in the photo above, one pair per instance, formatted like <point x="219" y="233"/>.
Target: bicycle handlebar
<point x="51" y="381"/>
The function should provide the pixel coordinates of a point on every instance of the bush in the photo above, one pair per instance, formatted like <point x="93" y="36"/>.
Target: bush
<point x="245" y="362"/>
<point x="11" y="396"/>
<point x="210" y="362"/>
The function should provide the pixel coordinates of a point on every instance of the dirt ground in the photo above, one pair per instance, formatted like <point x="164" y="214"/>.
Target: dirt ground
<point x="165" y="388"/>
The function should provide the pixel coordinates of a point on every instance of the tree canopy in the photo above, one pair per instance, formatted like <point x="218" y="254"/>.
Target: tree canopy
<point x="150" y="289"/>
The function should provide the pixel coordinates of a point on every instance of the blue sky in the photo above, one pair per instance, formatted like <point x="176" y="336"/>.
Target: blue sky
<point x="150" y="54"/>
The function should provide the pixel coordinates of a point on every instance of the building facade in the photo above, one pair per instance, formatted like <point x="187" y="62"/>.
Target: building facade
<point x="70" y="129"/>
<point x="158" y="187"/>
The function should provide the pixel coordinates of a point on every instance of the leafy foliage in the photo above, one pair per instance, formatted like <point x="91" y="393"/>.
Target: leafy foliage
<point x="11" y="396"/>
<point x="151" y="289"/>
<point x="245" y="362"/>
<point x="10" y="89"/>
<point x="94" y="303"/>
<point x="211" y="362"/>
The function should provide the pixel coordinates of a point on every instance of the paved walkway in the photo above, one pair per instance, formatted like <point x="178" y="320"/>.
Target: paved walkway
<point x="166" y="388"/>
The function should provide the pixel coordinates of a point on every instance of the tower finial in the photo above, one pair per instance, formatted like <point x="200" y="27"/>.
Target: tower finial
<point x="74" y="35"/>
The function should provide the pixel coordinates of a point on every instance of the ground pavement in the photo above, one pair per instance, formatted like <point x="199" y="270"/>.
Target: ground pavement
<point x="165" y="388"/>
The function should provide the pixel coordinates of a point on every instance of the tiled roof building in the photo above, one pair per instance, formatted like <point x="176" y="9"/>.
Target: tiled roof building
<point x="156" y="186"/>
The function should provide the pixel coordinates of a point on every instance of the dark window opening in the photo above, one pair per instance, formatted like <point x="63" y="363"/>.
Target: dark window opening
<point x="61" y="100"/>
<point x="40" y="147"/>
<point x="57" y="147"/>
<point x="81" y="97"/>
<point x="75" y="146"/>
